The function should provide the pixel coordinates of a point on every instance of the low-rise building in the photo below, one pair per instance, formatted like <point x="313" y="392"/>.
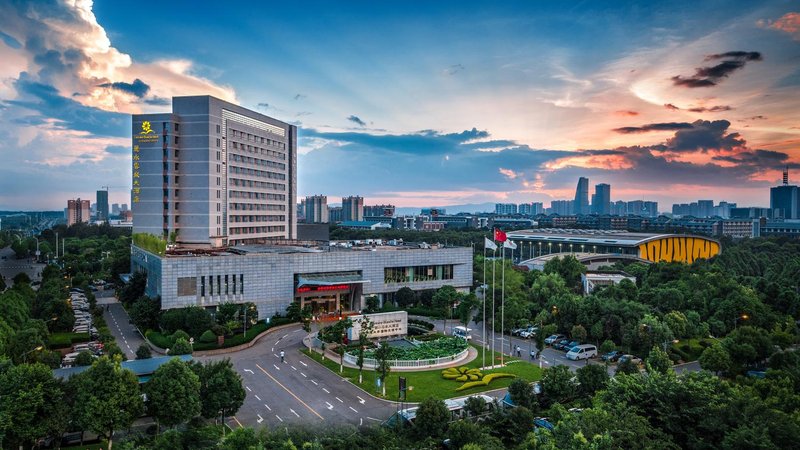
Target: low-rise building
<point x="593" y="279"/>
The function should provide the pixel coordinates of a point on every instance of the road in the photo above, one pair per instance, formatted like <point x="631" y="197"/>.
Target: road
<point x="10" y="266"/>
<point x="126" y="335"/>
<point x="300" y="390"/>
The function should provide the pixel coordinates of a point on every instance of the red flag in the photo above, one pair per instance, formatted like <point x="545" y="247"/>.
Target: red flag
<point x="499" y="235"/>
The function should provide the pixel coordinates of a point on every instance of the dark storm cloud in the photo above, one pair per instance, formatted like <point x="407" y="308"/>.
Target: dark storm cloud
<point x="704" y="135"/>
<point x="713" y="75"/>
<point x="760" y="158"/>
<point x="45" y="100"/>
<point x="668" y="126"/>
<point x="356" y="120"/>
<point x="138" y="88"/>
<point x="718" y="108"/>
<point x="157" y="101"/>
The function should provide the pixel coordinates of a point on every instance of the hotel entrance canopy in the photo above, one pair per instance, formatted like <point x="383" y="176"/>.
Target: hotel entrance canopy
<point x="330" y="279"/>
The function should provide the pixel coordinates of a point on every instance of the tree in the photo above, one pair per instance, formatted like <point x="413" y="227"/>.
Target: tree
<point x="627" y="367"/>
<point x="107" y="398"/>
<point x="658" y="361"/>
<point x="463" y="432"/>
<point x="221" y="391"/>
<point x="405" y="297"/>
<point x="84" y="358"/>
<point x="181" y="347"/>
<point x="145" y="312"/>
<point x="242" y="439"/>
<point x="592" y="378"/>
<point x="143" y="352"/>
<point x="443" y="301"/>
<point x="431" y="420"/>
<point x="173" y="393"/>
<point x="475" y="406"/>
<point x="570" y="270"/>
<point x="465" y="307"/>
<point x="372" y="304"/>
<point x="382" y="355"/>
<point x="607" y="346"/>
<point x="521" y="393"/>
<point x="365" y="329"/>
<point x="578" y="333"/>
<point x="557" y="384"/>
<point x="31" y="404"/>
<point x="747" y="346"/>
<point x="715" y="358"/>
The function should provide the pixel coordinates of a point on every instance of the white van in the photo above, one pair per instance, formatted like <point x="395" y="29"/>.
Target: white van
<point x="584" y="351"/>
<point x="462" y="332"/>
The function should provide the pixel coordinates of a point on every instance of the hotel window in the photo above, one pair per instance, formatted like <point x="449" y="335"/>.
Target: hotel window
<point x="217" y="181"/>
<point x="203" y="286"/>
<point x="217" y="129"/>
<point x="218" y="155"/>
<point x="176" y="140"/>
<point x="217" y="142"/>
<point x="217" y="168"/>
<point x="211" y="285"/>
<point x="177" y="179"/>
<point x="187" y="286"/>
<point x="177" y="166"/>
<point x="219" y="283"/>
<point x="241" y="283"/>
<point x="177" y="153"/>
<point x="217" y="194"/>
<point x="234" y="284"/>
<point x="226" y="285"/>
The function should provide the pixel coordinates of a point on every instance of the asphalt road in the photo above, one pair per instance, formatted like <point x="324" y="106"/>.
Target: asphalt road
<point x="10" y="266"/>
<point x="126" y="335"/>
<point x="299" y="390"/>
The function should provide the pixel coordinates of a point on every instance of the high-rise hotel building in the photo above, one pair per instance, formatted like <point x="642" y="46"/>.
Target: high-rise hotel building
<point x="214" y="174"/>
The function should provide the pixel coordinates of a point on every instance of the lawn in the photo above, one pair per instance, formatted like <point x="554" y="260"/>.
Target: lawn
<point x="690" y="349"/>
<point x="429" y="383"/>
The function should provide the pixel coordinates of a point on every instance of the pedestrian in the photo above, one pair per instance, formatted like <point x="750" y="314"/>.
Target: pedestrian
<point x="282" y="355"/>
<point x="519" y="352"/>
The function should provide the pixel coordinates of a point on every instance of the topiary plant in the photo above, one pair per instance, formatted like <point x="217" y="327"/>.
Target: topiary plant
<point x="208" y="336"/>
<point x="178" y="335"/>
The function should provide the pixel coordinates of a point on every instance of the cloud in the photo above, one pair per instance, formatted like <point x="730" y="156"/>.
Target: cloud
<point x="704" y="135"/>
<point x="788" y="23"/>
<point x="758" y="117"/>
<point x="669" y="126"/>
<point x="508" y="173"/>
<point x="671" y="107"/>
<point x="158" y="101"/>
<point x="756" y="158"/>
<point x="138" y="88"/>
<point x="712" y="75"/>
<point x="626" y="113"/>
<point x="718" y="108"/>
<point x="454" y="69"/>
<point x="300" y="96"/>
<point x="118" y="150"/>
<point x="263" y="105"/>
<point x="356" y="120"/>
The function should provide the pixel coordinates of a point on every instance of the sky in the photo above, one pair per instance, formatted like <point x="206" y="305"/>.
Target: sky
<point x="417" y="103"/>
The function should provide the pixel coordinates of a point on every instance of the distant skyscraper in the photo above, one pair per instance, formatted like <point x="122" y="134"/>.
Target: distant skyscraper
<point x="784" y="201"/>
<point x="115" y="209"/>
<point x="77" y="211"/>
<point x="102" y="205"/>
<point x="562" y="207"/>
<point x="335" y="214"/>
<point x="317" y="209"/>
<point x="352" y="209"/>
<point x="537" y="208"/>
<point x="705" y="208"/>
<point x="581" y="203"/>
<point x="379" y="211"/>
<point x="601" y="200"/>
<point x="505" y="208"/>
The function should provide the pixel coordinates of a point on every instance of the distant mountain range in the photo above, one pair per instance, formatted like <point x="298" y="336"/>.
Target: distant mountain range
<point x="450" y="209"/>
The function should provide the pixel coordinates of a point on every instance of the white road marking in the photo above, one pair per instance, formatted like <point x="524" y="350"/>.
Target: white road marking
<point x="294" y="412"/>
<point x="284" y="335"/>
<point x="360" y="400"/>
<point x="293" y="367"/>
<point x="360" y="421"/>
<point x="372" y="418"/>
<point x="326" y="391"/>
<point x="275" y="355"/>
<point x="257" y="397"/>
<point x="296" y="331"/>
<point x="304" y="375"/>
<point x="354" y="410"/>
<point x="248" y="370"/>
<point x="272" y="349"/>
<point x="260" y="419"/>
<point x="276" y="367"/>
<point x="248" y="389"/>
<point x="315" y="383"/>
<point x="267" y="406"/>
<point x="340" y="400"/>
<point x="329" y="405"/>
<point x="304" y="364"/>
<point x="279" y="417"/>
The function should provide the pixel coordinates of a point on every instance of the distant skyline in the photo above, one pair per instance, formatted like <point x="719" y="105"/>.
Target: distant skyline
<point x="418" y="104"/>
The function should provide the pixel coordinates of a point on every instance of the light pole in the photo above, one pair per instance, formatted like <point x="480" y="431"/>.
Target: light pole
<point x="736" y="320"/>
<point x="25" y="355"/>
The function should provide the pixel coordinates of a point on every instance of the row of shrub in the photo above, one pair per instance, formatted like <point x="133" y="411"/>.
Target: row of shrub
<point x="208" y="339"/>
<point x="421" y="323"/>
<point x="66" y="339"/>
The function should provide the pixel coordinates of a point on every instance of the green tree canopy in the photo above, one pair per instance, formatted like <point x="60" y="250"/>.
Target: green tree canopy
<point x="173" y="393"/>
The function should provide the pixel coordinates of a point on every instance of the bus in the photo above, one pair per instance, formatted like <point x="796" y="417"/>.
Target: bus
<point x="462" y="332"/>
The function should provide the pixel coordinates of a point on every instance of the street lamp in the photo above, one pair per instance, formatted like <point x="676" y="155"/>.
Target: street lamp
<point x="24" y="355"/>
<point x="736" y="320"/>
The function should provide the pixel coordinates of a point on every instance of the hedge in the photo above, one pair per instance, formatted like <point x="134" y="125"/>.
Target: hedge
<point x="64" y="340"/>
<point x="159" y="340"/>
<point x="421" y="323"/>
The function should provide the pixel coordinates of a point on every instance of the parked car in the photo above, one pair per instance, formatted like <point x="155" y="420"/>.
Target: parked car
<point x="634" y="359"/>
<point x="517" y="331"/>
<point x="561" y="344"/>
<point x="528" y="332"/>
<point x="552" y="339"/>
<point x="584" y="351"/>
<point x="611" y="356"/>
<point x="542" y="422"/>
<point x="569" y="345"/>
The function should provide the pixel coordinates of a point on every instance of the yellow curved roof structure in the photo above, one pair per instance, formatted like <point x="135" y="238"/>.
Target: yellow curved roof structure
<point x="678" y="248"/>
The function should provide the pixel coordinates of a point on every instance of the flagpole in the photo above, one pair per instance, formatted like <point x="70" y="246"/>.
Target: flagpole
<point x="483" y="358"/>
<point x="503" y="306"/>
<point x="494" y="257"/>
